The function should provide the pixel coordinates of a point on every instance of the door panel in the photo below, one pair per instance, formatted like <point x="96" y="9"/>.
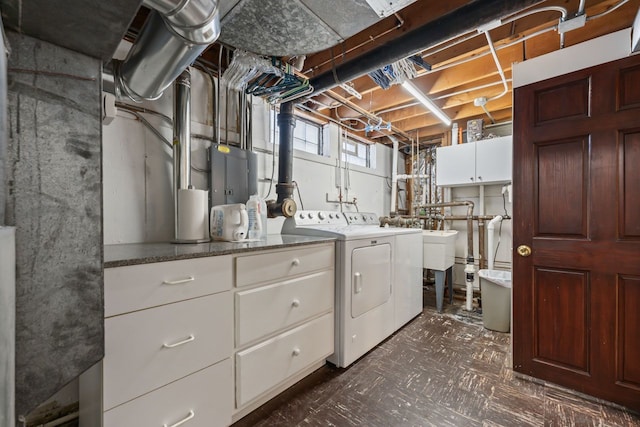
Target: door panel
<point x="370" y="278"/>
<point x="576" y="179"/>
<point x="562" y="322"/>
<point x="568" y="100"/>
<point x="563" y="182"/>
<point x="629" y="331"/>
<point x="628" y="89"/>
<point x="629" y="185"/>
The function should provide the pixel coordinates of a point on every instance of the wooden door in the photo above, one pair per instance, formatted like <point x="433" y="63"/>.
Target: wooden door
<point x="576" y="312"/>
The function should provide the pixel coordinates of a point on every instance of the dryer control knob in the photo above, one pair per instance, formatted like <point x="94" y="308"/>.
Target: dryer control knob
<point x="321" y="215"/>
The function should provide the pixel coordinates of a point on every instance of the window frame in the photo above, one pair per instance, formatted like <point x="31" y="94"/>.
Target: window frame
<point x="300" y="143"/>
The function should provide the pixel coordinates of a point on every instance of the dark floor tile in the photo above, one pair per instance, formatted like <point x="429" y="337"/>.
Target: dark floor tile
<point x="441" y="369"/>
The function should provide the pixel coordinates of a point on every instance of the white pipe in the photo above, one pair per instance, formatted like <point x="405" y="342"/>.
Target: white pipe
<point x="606" y="12"/>
<point x="490" y="232"/>
<point x="394" y="173"/>
<point x="497" y="61"/>
<point x="469" y="270"/>
<point x="581" y="7"/>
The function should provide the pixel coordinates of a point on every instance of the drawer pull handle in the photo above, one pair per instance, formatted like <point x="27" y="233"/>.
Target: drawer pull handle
<point x="182" y="421"/>
<point x="296" y="352"/>
<point x="295" y="262"/>
<point x="179" y="281"/>
<point x="179" y="343"/>
<point x="295" y="303"/>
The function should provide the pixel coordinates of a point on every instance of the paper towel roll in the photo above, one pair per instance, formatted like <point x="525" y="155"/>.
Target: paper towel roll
<point x="192" y="215"/>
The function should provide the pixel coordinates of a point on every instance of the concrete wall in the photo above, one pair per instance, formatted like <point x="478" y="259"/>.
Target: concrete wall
<point x="53" y="187"/>
<point x="137" y="168"/>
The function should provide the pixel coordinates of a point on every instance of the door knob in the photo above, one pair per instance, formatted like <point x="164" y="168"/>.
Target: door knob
<point x="524" y="250"/>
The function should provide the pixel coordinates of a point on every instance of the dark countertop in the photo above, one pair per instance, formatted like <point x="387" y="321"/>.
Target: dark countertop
<point x="145" y="253"/>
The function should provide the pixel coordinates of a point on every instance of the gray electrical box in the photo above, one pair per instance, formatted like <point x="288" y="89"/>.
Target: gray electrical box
<point x="234" y="174"/>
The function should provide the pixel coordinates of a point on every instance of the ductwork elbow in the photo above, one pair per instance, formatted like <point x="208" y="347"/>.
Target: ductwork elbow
<point x="175" y="34"/>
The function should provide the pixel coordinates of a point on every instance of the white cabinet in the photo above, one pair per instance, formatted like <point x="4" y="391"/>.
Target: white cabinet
<point x="264" y="366"/>
<point x="197" y="398"/>
<point x="204" y="341"/>
<point x="284" y="320"/>
<point x="168" y="346"/>
<point x="476" y="163"/>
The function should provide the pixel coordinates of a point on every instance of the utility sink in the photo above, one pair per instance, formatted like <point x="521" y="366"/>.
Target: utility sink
<point x="439" y="249"/>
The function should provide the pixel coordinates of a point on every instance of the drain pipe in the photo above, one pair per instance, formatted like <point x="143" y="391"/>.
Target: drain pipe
<point x="460" y="21"/>
<point x="284" y="205"/>
<point x="469" y="268"/>
<point x="490" y="231"/>
<point x="174" y="35"/>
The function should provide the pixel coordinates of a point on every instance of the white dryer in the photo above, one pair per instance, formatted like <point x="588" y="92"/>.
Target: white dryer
<point x="366" y="290"/>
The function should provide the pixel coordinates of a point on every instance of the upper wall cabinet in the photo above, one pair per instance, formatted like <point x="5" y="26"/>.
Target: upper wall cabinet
<point x="476" y="163"/>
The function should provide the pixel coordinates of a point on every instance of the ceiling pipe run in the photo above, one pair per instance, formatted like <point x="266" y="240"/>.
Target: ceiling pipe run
<point x="174" y="35"/>
<point x="463" y="20"/>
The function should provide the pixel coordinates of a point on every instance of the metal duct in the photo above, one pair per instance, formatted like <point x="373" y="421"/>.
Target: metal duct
<point x="181" y="138"/>
<point x="463" y="20"/>
<point x="175" y="34"/>
<point x="285" y="205"/>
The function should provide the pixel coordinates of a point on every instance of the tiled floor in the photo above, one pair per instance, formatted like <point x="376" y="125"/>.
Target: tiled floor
<point x="439" y="370"/>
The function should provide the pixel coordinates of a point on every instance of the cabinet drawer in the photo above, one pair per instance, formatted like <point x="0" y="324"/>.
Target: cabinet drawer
<point x="267" y="309"/>
<point x="137" y="287"/>
<point x="143" y="350"/>
<point x="261" y="268"/>
<point x="207" y="394"/>
<point x="263" y="366"/>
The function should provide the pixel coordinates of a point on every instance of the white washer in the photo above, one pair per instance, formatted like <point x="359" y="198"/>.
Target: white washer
<point x="371" y="303"/>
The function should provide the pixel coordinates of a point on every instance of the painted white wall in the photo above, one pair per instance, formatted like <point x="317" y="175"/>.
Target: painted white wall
<point x="138" y="203"/>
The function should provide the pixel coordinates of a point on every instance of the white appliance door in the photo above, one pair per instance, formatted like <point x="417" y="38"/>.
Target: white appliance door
<point x="370" y="278"/>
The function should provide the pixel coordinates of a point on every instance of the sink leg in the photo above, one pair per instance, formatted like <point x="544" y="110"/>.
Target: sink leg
<point x="450" y="283"/>
<point x="439" y="289"/>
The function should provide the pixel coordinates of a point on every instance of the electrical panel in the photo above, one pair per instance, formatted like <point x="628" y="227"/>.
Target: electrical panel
<point x="234" y="175"/>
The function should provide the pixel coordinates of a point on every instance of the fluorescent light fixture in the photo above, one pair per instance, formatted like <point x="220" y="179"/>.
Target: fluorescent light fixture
<point x="417" y="94"/>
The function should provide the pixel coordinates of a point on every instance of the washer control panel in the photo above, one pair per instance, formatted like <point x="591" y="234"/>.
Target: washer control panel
<point x="362" y="218"/>
<point x="320" y="218"/>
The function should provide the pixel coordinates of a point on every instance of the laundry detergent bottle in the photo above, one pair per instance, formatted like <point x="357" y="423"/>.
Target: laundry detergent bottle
<point x="257" y="212"/>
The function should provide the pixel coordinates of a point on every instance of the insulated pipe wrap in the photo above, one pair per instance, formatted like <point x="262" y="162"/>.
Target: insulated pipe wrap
<point x="462" y="20"/>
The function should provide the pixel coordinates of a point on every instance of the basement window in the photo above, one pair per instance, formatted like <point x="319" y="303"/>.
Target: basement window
<point x="358" y="153"/>
<point x="307" y="135"/>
